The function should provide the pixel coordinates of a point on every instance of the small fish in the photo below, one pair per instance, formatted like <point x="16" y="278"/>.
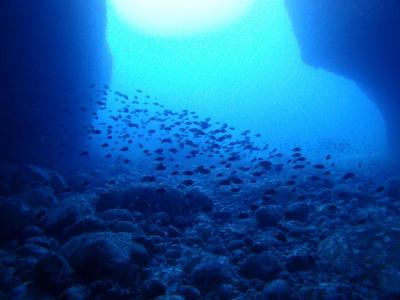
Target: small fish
<point x="84" y="153"/>
<point x="188" y="182"/>
<point x="291" y="182"/>
<point x="160" y="167"/>
<point x="319" y="166"/>
<point x="270" y="192"/>
<point x="348" y="176"/>
<point x="236" y="180"/>
<point x="224" y="182"/>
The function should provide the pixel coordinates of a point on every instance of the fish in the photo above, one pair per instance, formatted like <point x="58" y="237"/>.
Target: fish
<point x="349" y="175"/>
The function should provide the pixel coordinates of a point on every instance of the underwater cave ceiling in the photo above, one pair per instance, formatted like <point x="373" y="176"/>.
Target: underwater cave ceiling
<point x="50" y="52"/>
<point x="359" y="40"/>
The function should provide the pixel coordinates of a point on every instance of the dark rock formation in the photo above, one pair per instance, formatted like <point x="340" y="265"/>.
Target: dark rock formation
<point x="359" y="40"/>
<point x="367" y="251"/>
<point x="50" y="52"/>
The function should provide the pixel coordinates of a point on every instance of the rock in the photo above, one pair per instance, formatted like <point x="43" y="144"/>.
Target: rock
<point x="126" y="226"/>
<point x="227" y="291"/>
<point x="277" y="289"/>
<point x="31" y="231"/>
<point x="392" y="188"/>
<point x="297" y="229"/>
<point x="101" y="288"/>
<point x="199" y="201"/>
<point x="14" y="217"/>
<point x="284" y="194"/>
<point x="189" y="292"/>
<point x="153" y="288"/>
<point x="53" y="273"/>
<point x="173" y="231"/>
<point x="326" y="291"/>
<point x="58" y="182"/>
<point x="7" y="279"/>
<point x="146" y="242"/>
<point x="182" y="222"/>
<point x="117" y="214"/>
<point x="209" y="274"/>
<point x="154" y="229"/>
<point x="369" y="215"/>
<point x="172" y="297"/>
<point x="85" y="225"/>
<point x="70" y="210"/>
<point x="300" y="262"/>
<point x="236" y="244"/>
<point x="145" y="199"/>
<point x="43" y="241"/>
<point x="173" y="253"/>
<point x="139" y="255"/>
<point x="261" y="266"/>
<point x="345" y="192"/>
<point x="350" y="251"/>
<point x="269" y="215"/>
<point x="103" y="255"/>
<point x="79" y="181"/>
<point x="161" y="218"/>
<point x="222" y="215"/>
<point x="32" y="176"/>
<point x="391" y="295"/>
<point x="75" y="293"/>
<point x="26" y="291"/>
<point x="31" y="250"/>
<point x="25" y="263"/>
<point x="297" y="211"/>
<point x="109" y="289"/>
<point x="40" y="197"/>
<point x="264" y="243"/>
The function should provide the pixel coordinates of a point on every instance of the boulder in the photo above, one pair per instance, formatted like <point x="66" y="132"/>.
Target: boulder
<point x="146" y="199"/>
<point x="297" y="211"/>
<point x="269" y="215"/>
<point x="209" y="274"/>
<point x="277" y="289"/>
<point x="368" y="251"/>
<point x="70" y="210"/>
<point x="102" y="255"/>
<point x="53" y="273"/>
<point x="32" y="176"/>
<point x="262" y="266"/>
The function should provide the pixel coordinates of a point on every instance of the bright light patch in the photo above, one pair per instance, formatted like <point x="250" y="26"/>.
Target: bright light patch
<point x="180" y="17"/>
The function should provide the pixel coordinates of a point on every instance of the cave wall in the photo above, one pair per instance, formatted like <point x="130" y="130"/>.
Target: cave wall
<point x="359" y="40"/>
<point x="50" y="52"/>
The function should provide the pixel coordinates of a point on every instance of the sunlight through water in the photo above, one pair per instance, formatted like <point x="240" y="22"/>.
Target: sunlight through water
<point x="180" y="17"/>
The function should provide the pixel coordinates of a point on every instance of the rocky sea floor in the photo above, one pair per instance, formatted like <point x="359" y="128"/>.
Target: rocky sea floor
<point x="69" y="238"/>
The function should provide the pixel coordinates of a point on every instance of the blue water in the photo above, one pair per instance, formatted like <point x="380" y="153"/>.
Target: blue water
<point x="153" y="187"/>
<point x="251" y="75"/>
